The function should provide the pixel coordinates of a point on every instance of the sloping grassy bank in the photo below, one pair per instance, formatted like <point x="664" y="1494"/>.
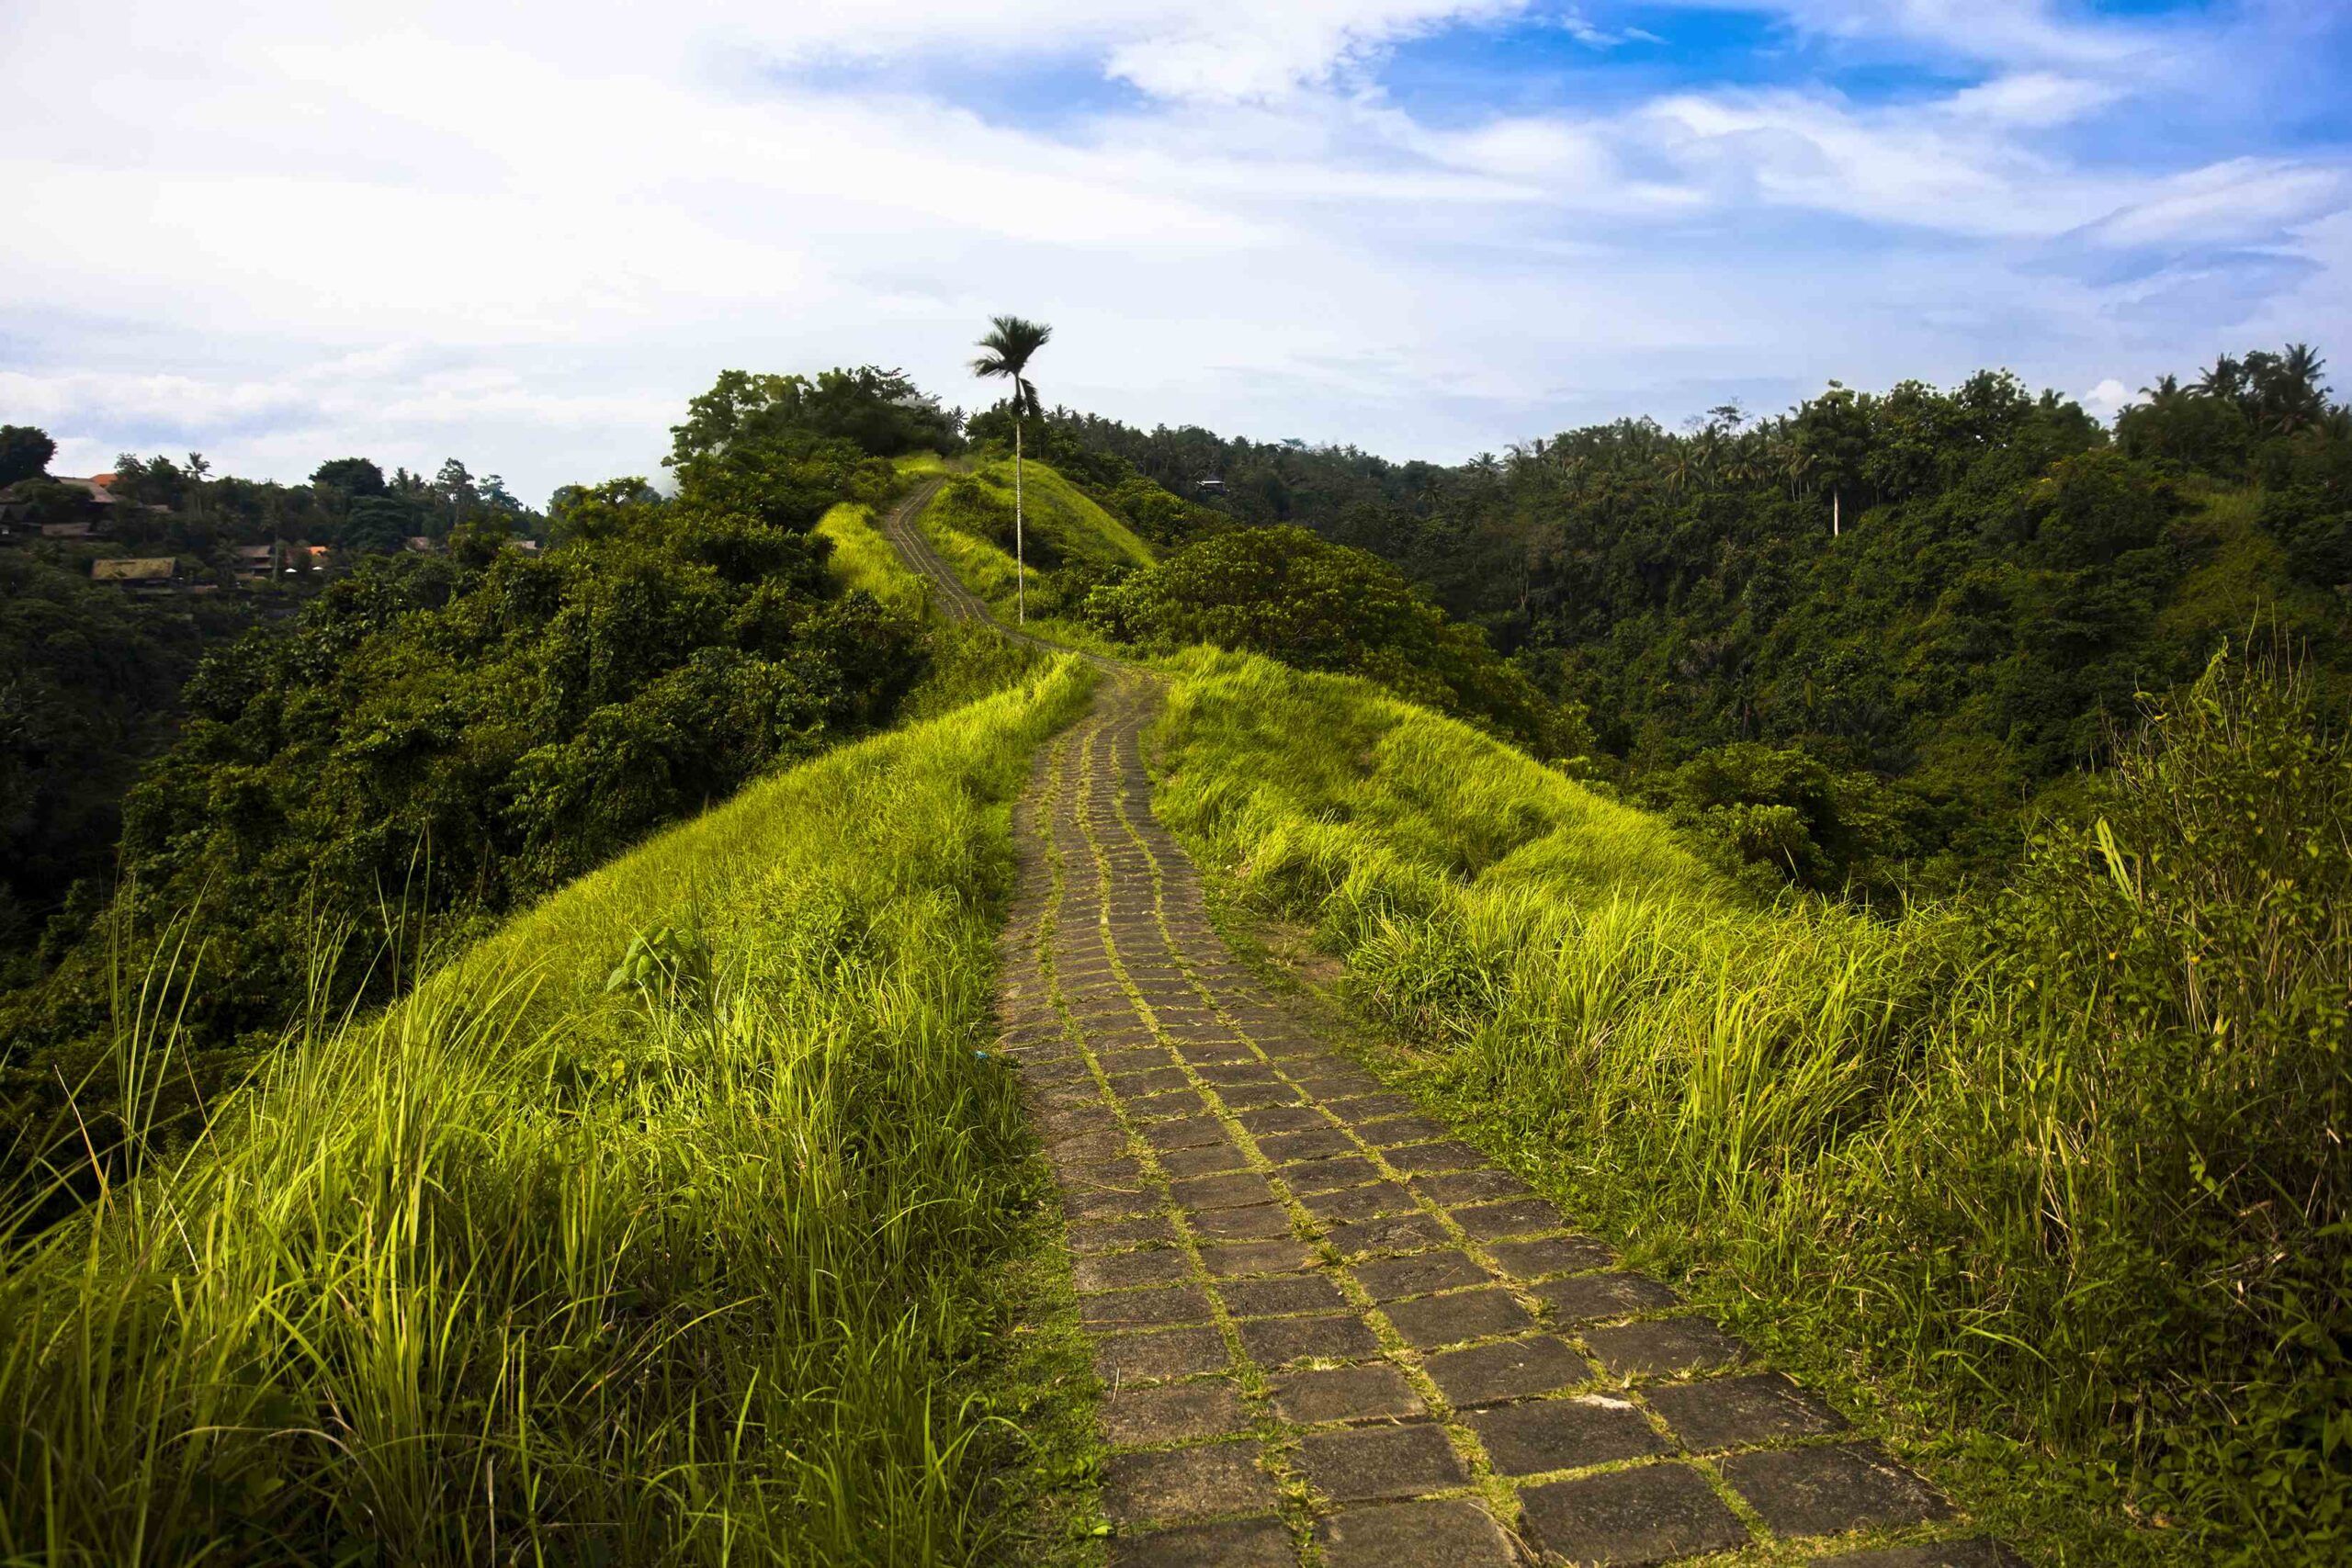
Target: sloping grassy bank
<point x="2007" y="1164"/>
<point x="674" y="1265"/>
<point x="1072" y="545"/>
<point x="962" y="661"/>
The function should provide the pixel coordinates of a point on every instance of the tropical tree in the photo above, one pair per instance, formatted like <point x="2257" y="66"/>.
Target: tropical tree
<point x="1009" y="344"/>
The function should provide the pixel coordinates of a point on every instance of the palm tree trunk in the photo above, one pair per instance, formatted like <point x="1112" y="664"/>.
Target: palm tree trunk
<point x="1020" y="554"/>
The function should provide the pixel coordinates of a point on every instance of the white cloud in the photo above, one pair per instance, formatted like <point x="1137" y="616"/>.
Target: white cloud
<point x="2107" y="399"/>
<point x="525" y="235"/>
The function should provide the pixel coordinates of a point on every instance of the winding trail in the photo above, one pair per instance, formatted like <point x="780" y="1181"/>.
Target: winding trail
<point x="1328" y="1329"/>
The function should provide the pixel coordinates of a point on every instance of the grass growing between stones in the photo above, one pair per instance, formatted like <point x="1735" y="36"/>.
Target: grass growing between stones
<point x="670" y="1224"/>
<point x="1895" y="1154"/>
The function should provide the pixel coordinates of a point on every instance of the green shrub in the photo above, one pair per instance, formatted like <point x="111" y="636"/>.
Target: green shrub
<point x="1287" y="593"/>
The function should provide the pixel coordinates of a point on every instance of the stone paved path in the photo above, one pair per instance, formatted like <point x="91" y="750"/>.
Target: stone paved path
<point x="1328" y="1329"/>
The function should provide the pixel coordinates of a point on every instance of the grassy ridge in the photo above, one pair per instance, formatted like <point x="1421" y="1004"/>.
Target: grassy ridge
<point x="1888" y="1146"/>
<point x="963" y="661"/>
<point x="1068" y="523"/>
<point x="536" y="1267"/>
<point x="1065" y="517"/>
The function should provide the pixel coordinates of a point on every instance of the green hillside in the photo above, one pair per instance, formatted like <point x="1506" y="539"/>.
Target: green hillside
<point x="655" y="1226"/>
<point x="2013" y="1166"/>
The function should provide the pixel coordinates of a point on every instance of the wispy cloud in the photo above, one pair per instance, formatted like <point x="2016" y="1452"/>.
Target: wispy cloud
<point x="527" y="234"/>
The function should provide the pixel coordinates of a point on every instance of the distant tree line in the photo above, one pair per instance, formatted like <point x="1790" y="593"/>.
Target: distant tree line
<point x="1853" y="645"/>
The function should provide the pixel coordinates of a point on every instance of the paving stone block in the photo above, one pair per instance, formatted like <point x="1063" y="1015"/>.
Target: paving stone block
<point x="1651" y="1515"/>
<point x="1663" y="1347"/>
<point x="1410" y="1128"/>
<point x="1473" y="1186"/>
<point x="1173" y="1413"/>
<point x="1729" y="1413"/>
<point x="1294" y="1051"/>
<point x="1234" y="1260"/>
<point x="1520" y="1216"/>
<point x="1392" y="1279"/>
<point x="1131" y="1058"/>
<point x="1428" y="1322"/>
<point x="1161" y="1354"/>
<point x="1551" y="1255"/>
<point x="1247" y="1543"/>
<point x="1373" y="1391"/>
<point x="1311" y="1143"/>
<point x="1278" y="1294"/>
<point x="1564" y="1434"/>
<point x="1329" y="1175"/>
<point x="1380" y="1462"/>
<point x="1404" y="1233"/>
<point x="1249" y="1095"/>
<point x="1066" y="1123"/>
<point x="1975" y="1553"/>
<point x="1187" y="1133"/>
<point x="1124" y="1270"/>
<point x="1277" y="1341"/>
<point x="1123" y="1173"/>
<point x="1042" y="1098"/>
<point x="1186" y="1163"/>
<point x="1444" y="1533"/>
<point x="1110" y="1202"/>
<point x="1151" y="1107"/>
<point x="1435" y="1160"/>
<point x="1824" y="1490"/>
<point x="1157" y="1081"/>
<point x="1090" y="1148"/>
<point x="1589" y="1297"/>
<point x="1282" y="1119"/>
<point x="1102" y="1235"/>
<point x="1359" y="1202"/>
<point x="1154" y="1306"/>
<point x="1235" y="1074"/>
<point x="1238" y="1190"/>
<point x="1369" y="1107"/>
<point x="1187" y="1483"/>
<point x="1264" y="1222"/>
<point x="1204" y="1053"/>
<point x="1326" y="1083"/>
<point x="1515" y="1368"/>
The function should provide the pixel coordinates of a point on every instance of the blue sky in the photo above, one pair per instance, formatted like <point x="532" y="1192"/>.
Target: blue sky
<point x="525" y="234"/>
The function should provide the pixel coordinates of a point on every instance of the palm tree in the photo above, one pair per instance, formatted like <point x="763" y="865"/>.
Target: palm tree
<point x="1009" y="344"/>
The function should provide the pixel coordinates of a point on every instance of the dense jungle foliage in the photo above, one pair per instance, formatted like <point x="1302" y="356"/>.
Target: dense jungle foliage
<point x="95" y="673"/>
<point x="438" y="739"/>
<point x="1850" y="644"/>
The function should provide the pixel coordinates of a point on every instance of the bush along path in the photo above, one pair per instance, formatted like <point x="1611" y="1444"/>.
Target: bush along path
<point x="1325" y="1327"/>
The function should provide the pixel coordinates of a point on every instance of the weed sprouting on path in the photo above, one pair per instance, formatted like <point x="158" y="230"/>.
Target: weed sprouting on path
<point x="547" y="1265"/>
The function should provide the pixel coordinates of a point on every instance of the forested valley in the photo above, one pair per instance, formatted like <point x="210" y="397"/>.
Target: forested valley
<point x="504" y="1034"/>
<point x="1852" y="645"/>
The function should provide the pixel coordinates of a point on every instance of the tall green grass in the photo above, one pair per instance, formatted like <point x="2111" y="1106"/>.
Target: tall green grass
<point x="653" y="1229"/>
<point x="2066" y="1164"/>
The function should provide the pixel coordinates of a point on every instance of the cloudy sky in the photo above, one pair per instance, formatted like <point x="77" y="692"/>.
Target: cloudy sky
<point x="524" y="232"/>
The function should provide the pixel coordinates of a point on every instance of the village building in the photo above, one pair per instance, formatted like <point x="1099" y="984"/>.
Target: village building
<point x="148" y="573"/>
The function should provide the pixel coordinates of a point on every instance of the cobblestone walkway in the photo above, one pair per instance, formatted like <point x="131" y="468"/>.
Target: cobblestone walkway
<point x="1325" y="1326"/>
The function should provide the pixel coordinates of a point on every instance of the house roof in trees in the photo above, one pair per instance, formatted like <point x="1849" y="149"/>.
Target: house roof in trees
<point x="97" y="487"/>
<point x="134" y="569"/>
